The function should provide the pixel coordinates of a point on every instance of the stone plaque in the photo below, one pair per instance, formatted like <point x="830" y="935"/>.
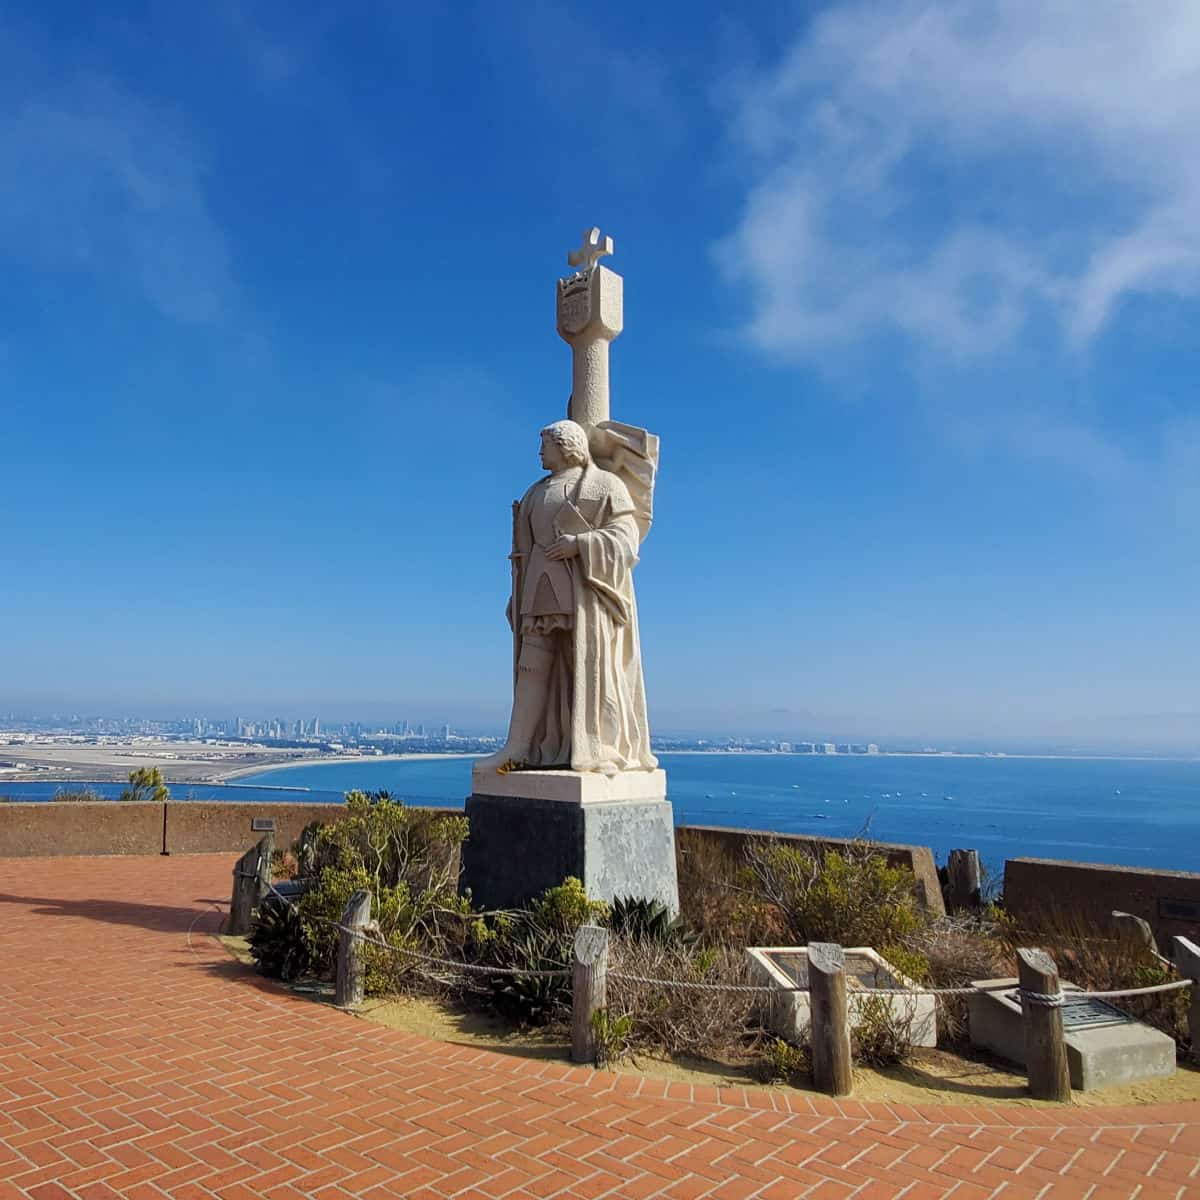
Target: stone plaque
<point x="575" y="304"/>
<point x="262" y="824"/>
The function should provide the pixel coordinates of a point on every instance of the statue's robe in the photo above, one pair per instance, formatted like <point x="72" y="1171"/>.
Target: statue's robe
<point x="595" y="715"/>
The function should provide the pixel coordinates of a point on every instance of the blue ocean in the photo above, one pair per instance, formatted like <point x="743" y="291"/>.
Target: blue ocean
<point x="1132" y="811"/>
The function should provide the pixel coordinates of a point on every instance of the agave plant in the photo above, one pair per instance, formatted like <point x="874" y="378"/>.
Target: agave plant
<point x="648" y="920"/>
<point x="533" y="999"/>
<point x="278" y="943"/>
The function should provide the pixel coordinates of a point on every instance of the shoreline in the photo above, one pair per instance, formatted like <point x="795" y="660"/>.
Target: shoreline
<point x="334" y="760"/>
<point x="237" y="776"/>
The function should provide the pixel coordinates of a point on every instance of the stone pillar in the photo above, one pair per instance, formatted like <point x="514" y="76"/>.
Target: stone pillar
<point x="590" y="314"/>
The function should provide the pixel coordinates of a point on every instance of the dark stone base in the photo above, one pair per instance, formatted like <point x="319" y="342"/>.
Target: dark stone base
<point x="519" y="847"/>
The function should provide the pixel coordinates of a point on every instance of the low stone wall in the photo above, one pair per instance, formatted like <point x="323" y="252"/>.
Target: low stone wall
<point x="214" y="826"/>
<point x="732" y="842"/>
<point x="29" y="830"/>
<point x="35" y="830"/>
<point x="1039" y="888"/>
<point x="46" y="828"/>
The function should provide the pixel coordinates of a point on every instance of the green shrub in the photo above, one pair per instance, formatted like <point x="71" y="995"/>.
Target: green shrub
<point x="146" y="783"/>
<point x="566" y="907"/>
<point x="407" y="860"/>
<point x="907" y="961"/>
<point x="853" y="896"/>
<point x="784" y="1063"/>
<point x="612" y="1035"/>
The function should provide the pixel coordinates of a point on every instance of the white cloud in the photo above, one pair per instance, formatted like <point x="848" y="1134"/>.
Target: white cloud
<point x="950" y="170"/>
<point x="93" y="179"/>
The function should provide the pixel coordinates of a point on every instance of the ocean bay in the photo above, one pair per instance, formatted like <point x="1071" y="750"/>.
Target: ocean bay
<point x="1136" y="812"/>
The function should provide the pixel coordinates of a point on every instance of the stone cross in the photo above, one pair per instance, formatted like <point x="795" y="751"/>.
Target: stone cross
<point x="592" y="248"/>
<point x="590" y="315"/>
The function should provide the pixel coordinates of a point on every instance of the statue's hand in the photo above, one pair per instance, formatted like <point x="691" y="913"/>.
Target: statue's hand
<point x="566" y="546"/>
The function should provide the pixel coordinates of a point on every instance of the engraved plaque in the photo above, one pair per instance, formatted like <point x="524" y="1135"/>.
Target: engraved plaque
<point x="1091" y="1014"/>
<point x="262" y="824"/>
<point x="1178" y="910"/>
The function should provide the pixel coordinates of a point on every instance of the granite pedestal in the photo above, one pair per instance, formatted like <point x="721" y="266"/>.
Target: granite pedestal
<point x="531" y="829"/>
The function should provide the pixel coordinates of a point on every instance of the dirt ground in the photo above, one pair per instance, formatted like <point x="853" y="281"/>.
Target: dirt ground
<point x="932" y="1076"/>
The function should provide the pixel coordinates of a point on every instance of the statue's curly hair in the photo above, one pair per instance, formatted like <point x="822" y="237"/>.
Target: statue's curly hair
<point x="572" y="439"/>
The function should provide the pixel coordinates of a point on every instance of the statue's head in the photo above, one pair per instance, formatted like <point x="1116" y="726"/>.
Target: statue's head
<point x="565" y="440"/>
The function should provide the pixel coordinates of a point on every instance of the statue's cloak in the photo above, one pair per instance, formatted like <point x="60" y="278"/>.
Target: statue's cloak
<point x="595" y="716"/>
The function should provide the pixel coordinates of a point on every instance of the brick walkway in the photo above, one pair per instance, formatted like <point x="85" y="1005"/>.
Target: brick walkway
<point x="136" y="1059"/>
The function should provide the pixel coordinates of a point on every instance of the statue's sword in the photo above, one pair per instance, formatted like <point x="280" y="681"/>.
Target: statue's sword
<point x="514" y="608"/>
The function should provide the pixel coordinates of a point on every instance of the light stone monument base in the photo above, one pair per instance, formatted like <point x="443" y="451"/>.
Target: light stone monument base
<point x="1105" y="1046"/>
<point x="531" y="829"/>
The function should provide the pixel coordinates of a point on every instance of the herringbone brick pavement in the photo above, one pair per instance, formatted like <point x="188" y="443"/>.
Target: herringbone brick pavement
<point x="136" y="1059"/>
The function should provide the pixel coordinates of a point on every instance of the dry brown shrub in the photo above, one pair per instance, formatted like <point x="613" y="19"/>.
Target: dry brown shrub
<point x="84" y="795"/>
<point x="882" y="1032"/>
<point x="959" y="949"/>
<point x="707" y="1024"/>
<point x="718" y="896"/>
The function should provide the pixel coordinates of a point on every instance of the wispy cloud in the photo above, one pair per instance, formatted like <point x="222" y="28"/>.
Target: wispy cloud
<point x="952" y="170"/>
<point x="93" y="179"/>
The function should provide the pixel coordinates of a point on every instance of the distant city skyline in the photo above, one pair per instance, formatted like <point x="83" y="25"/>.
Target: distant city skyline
<point x="1140" y="735"/>
<point x="911" y="297"/>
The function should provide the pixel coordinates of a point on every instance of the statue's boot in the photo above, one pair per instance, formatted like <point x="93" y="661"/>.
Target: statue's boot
<point x="529" y="707"/>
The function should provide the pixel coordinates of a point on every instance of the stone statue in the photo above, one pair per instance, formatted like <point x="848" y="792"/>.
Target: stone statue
<point x="575" y="790"/>
<point x="578" y="699"/>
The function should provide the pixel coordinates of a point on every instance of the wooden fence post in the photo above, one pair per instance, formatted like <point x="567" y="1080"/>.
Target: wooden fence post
<point x="964" y="880"/>
<point x="251" y="880"/>
<point x="349" y="986"/>
<point x="830" y="1016"/>
<point x="1134" y="933"/>
<point x="1045" y="1046"/>
<point x="589" y="989"/>
<point x="1187" y="963"/>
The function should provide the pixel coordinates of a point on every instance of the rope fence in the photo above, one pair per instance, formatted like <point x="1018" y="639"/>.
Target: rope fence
<point x="1047" y="1000"/>
<point x="829" y="987"/>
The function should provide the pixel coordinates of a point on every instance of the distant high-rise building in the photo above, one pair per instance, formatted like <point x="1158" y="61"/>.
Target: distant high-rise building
<point x="446" y="732"/>
<point x="316" y="726"/>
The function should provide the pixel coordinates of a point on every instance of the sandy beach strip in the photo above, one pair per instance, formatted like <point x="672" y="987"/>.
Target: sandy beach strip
<point x="337" y="760"/>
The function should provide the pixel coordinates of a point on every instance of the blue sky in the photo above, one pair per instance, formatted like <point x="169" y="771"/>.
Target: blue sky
<point x="911" y="298"/>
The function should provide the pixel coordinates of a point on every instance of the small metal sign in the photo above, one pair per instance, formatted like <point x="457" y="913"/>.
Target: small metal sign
<point x="1091" y="1014"/>
<point x="262" y="824"/>
<point x="1179" y="910"/>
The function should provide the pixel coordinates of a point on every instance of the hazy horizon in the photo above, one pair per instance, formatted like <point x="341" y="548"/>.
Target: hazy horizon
<point x="1149" y="733"/>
